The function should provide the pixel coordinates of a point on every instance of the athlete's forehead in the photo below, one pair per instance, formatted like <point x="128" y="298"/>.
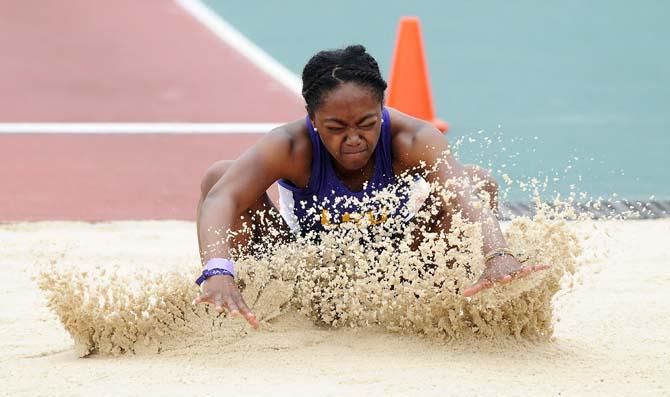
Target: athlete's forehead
<point x="364" y="117"/>
<point x="350" y="103"/>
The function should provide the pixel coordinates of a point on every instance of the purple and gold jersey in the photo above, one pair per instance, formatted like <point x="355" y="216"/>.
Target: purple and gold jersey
<point x="324" y="201"/>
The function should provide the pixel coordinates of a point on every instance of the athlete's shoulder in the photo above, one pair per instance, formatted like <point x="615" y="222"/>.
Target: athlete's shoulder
<point x="293" y="141"/>
<point x="410" y="137"/>
<point x="293" y="134"/>
<point x="405" y="129"/>
<point x="289" y="129"/>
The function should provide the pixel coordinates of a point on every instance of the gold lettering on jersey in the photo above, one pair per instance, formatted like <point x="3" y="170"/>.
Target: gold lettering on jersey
<point x="355" y="217"/>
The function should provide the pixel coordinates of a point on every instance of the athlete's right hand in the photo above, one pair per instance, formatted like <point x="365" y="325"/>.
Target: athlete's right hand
<point x="221" y="291"/>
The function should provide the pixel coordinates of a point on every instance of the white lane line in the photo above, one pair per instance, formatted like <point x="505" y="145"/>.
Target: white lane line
<point x="136" y="128"/>
<point x="238" y="41"/>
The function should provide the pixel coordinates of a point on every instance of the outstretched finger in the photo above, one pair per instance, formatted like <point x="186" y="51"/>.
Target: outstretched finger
<point x="218" y="303"/>
<point x="246" y="312"/>
<point x="480" y="285"/>
<point x="526" y="270"/>
<point x="506" y="279"/>
<point x="204" y="297"/>
<point x="232" y="306"/>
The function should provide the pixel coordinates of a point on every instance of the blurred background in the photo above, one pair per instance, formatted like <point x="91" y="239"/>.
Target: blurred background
<point x="114" y="110"/>
<point x="565" y="84"/>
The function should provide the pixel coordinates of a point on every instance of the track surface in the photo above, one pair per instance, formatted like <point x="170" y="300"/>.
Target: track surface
<point x="106" y="177"/>
<point x="121" y="61"/>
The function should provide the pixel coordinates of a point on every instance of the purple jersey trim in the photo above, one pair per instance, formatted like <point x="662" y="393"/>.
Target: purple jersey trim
<point x="325" y="186"/>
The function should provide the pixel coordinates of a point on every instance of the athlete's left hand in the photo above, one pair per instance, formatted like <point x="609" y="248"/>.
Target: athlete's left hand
<point x="502" y="270"/>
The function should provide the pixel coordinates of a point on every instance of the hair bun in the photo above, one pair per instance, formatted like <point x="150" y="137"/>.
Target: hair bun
<point x="355" y="49"/>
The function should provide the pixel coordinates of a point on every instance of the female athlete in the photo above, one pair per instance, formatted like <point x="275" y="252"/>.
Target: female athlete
<point x="349" y="144"/>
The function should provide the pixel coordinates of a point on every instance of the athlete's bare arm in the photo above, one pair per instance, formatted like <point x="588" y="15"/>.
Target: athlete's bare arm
<point x="415" y="141"/>
<point x="282" y="153"/>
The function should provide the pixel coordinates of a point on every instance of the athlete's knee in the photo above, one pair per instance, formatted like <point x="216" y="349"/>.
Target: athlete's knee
<point x="212" y="175"/>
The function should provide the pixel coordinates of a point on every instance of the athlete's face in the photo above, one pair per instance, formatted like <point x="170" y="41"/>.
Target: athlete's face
<point x="349" y="123"/>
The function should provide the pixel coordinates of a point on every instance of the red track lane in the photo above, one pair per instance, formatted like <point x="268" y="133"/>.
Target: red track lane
<point x="119" y="61"/>
<point x="126" y="60"/>
<point x="107" y="177"/>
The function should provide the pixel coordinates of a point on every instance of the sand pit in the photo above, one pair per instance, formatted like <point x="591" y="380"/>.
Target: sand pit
<point x="609" y="328"/>
<point x="352" y="274"/>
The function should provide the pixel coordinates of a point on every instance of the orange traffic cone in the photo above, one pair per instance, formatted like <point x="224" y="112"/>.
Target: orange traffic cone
<point x="409" y="89"/>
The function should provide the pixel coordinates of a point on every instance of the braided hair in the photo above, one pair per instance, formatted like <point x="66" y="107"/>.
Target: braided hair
<point x="328" y="69"/>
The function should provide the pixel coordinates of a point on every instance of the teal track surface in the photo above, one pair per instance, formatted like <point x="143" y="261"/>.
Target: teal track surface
<point x="572" y="90"/>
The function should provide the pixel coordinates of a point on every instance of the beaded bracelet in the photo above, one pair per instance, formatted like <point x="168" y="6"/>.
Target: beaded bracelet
<point x="498" y="252"/>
